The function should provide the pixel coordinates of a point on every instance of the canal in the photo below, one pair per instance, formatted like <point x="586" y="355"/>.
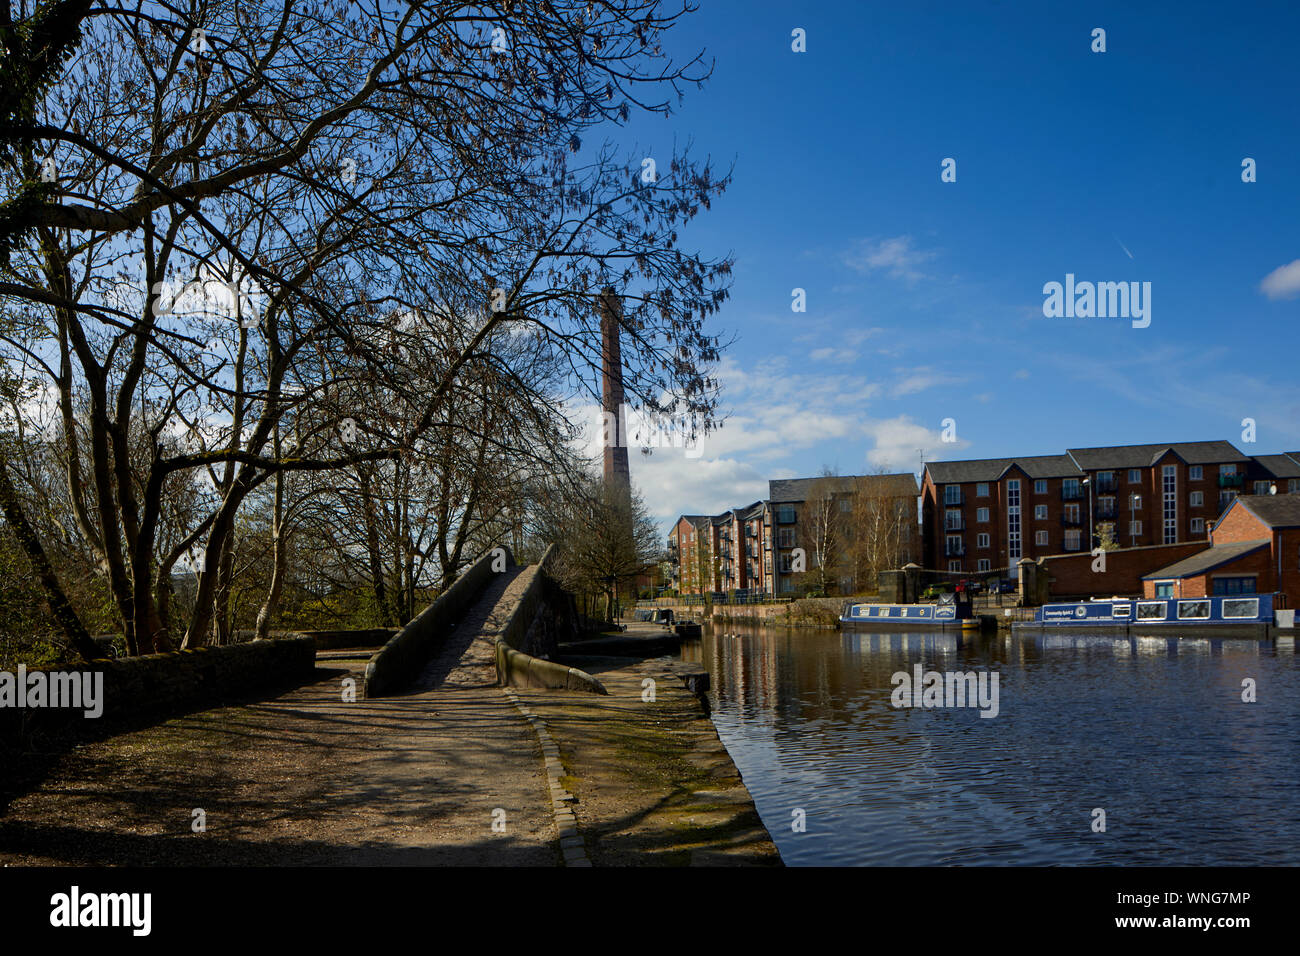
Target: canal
<point x="1152" y="731"/>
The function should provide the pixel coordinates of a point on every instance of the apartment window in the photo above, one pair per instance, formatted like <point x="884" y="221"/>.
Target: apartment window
<point x="1013" y="520"/>
<point x="1261" y="487"/>
<point x="1135" y="476"/>
<point x="1072" y="539"/>
<point x="954" y="565"/>
<point x="952" y="520"/>
<point x="983" y="565"/>
<point x="787" y="563"/>
<point x="982" y="490"/>
<point x="1106" y="506"/>
<point x="1293" y="486"/>
<point x="1072" y="513"/>
<point x="1195" y="473"/>
<point x="1198" y="526"/>
<point x="1225" y="499"/>
<point x="1135" y="503"/>
<point x="1135" y="528"/>
<point x="1227" y="470"/>
<point x="787" y="585"/>
<point x="982" y="540"/>
<point x="1040" y="487"/>
<point x="1169" y="488"/>
<point x="1196" y="499"/>
<point x="785" y="514"/>
<point x="982" y="514"/>
<point x="1040" y="512"/>
<point x="952" y="494"/>
<point x="1070" y="488"/>
<point x="1040" y="538"/>
<point x="785" y="537"/>
<point x="952" y="544"/>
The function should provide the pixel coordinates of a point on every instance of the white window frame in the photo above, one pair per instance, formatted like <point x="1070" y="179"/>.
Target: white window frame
<point x="1196" y="499"/>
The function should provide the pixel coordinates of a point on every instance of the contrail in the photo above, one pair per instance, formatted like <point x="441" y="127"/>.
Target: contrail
<point x="1124" y="247"/>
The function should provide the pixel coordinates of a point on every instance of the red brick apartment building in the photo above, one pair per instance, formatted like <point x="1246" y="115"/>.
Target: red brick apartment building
<point x="987" y="515"/>
<point x="754" y="548"/>
<point x="1254" y="549"/>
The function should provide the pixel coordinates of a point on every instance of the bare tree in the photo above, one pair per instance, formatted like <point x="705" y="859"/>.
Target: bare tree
<point x="329" y="166"/>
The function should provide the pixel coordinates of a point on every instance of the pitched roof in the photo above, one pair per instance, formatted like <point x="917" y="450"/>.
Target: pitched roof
<point x="1275" y="511"/>
<point x="1207" y="560"/>
<point x="1279" y="466"/>
<point x="1142" y="456"/>
<point x="991" y="469"/>
<point x="901" y="485"/>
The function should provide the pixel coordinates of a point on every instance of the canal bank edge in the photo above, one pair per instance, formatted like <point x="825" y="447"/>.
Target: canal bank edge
<point x="645" y="779"/>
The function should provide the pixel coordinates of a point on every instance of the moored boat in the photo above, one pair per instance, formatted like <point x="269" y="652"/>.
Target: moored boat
<point x="947" y="615"/>
<point x="1245" y="613"/>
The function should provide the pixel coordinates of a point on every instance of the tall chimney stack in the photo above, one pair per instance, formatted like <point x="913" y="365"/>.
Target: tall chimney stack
<point x="617" y="474"/>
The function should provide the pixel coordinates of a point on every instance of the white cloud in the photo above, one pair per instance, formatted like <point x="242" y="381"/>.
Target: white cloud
<point x="900" y="443"/>
<point x="1283" y="282"/>
<point x="837" y="355"/>
<point x="895" y="255"/>
<point x="919" y="379"/>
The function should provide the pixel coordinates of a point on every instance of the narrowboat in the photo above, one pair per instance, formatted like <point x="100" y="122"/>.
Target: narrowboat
<point x="1246" y="613"/>
<point x="947" y="615"/>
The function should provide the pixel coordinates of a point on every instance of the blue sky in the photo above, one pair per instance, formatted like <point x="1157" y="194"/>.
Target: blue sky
<point x="924" y="298"/>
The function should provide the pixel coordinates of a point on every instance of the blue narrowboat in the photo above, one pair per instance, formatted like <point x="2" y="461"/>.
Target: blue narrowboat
<point x="1241" y="612"/>
<point x="947" y="615"/>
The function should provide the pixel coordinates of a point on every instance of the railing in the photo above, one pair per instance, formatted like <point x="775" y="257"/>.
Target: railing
<point x="1106" y="484"/>
<point x="954" y="550"/>
<point x="1071" y="494"/>
<point x="1071" y="521"/>
<point x="1231" y="481"/>
<point x="1106" y="512"/>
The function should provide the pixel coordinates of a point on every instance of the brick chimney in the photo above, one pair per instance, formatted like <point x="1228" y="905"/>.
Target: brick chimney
<point x="610" y="308"/>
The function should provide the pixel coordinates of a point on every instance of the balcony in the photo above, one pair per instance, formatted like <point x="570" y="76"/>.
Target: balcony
<point x="1071" y="494"/>
<point x="1069" y="545"/>
<point x="954" y="550"/>
<point x="954" y="524"/>
<point x="954" y="496"/>
<point x="1106" y="485"/>
<point x="1231" y="481"/>
<point x="1071" y="521"/>
<point x="1105" y="511"/>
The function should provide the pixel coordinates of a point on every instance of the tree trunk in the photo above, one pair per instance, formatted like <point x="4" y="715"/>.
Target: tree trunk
<point x="75" y="632"/>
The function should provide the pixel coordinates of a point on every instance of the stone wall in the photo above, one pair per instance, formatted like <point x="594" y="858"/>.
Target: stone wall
<point x="402" y="659"/>
<point x="160" y="685"/>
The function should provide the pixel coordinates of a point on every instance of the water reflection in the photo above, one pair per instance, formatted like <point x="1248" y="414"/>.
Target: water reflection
<point x="1151" y="729"/>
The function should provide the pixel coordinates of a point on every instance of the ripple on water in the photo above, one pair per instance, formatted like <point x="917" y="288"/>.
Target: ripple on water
<point x="1158" y="738"/>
